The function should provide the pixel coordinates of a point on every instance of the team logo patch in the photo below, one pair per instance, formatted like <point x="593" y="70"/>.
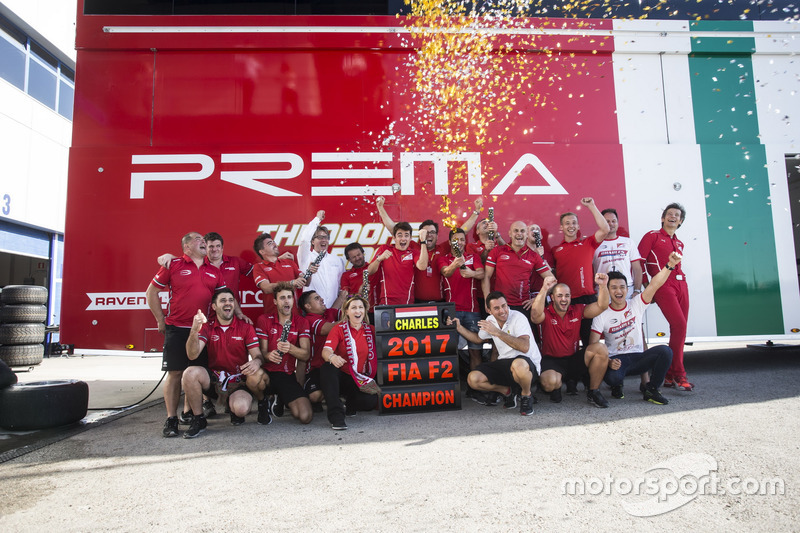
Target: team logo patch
<point x="504" y="257"/>
<point x="185" y="272"/>
<point x="614" y="321"/>
<point x="214" y="338"/>
<point x="407" y="257"/>
<point x="211" y="275"/>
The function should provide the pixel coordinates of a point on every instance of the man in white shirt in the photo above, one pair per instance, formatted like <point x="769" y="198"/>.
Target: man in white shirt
<point x="618" y="254"/>
<point x="519" y="361"/>
<point x="621" y="326"/>
<point x="313" y="241"/>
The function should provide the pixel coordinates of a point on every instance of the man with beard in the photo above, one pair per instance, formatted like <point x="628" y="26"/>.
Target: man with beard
<point x="562" y="357"/>
<point x="282" y="355"/>
<point x="236" y="377"/>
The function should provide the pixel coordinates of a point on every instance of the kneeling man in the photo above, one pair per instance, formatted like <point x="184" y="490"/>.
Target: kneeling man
<point x="563" y="360"/>
<point x="621" y="325"/>
<point x="518" y="362"/>
<point x="234" y="363"/>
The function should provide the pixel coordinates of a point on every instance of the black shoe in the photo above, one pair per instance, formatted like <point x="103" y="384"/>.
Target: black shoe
<point x="493" y="398"/>
<point x="264" y="417"/>
<point x="237" y="420"/>
<point x="555" y="395"/>
<point x="510" y="401"/>
<point x="526" y="405"/>
<point x="479" y="397"/>
<point x="197" y="426"/>
<point x="338" y="424"/>
<point x="348" y="411"/>
<point x="316" y="407"/>
<point x="276" y="406"/>
<point x="616" y="392"/>
<point x="596" y="398"/>
<point x="185" y="418"/>
<point x="208" y="409"/>
<point x="653" y="396"/>
<point x="572" y="387"/>
<point x="171" y="427"/>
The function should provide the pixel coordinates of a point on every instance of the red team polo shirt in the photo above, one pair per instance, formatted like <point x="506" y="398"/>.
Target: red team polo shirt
<point x="574" y="265"/>
<point x="512" y="274"/>
<point x="268" y="328"/>
<point x="561" y="336"/>
<point x="397" y="275"/>
<point x="232" y="267"/>
<point x="351" y="282"/>
<point x="655" y="248"/>
<point x="280" y="270"/>
<point x="336" y="342"/>
<point x="228" y="345"/>
<point x="462" y="291"/>
<point x="190" y="289"/>
<point x="317" y="338"/>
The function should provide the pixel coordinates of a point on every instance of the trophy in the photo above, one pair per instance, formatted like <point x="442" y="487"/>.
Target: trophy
<point x="458" y="253"/>
<point x="491" y="219"/>
<point x="537" y="238"/>
<point x="316" y="262"/>
<point x="285" y="333"/>
<point x="365" y="284"/>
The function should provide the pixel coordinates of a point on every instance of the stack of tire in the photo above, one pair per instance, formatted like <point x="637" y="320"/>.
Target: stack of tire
<point x="22" y="316"/>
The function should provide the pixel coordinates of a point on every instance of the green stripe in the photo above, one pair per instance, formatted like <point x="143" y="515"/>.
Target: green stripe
<point x="744" y="265"/>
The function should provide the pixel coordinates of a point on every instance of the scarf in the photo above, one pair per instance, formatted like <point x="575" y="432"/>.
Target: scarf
<point x="353" y="356"/>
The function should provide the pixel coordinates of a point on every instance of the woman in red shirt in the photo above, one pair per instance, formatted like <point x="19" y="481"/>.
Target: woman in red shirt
<point x="350" y="364"/>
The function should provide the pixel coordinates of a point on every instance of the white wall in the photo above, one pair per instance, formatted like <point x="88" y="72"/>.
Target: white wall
<point x="54" y="19"/>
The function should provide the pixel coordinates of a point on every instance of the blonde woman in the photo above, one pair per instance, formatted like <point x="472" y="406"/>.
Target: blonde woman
<point x="350" y="364"/>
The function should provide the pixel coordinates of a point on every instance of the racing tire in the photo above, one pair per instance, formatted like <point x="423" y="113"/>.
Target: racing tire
<point x="24" y="294"/>
<point x="23" y="313"/>
<point x="22" y="355"/>
<point x="21" y="333"/>
<point x="43" y="404"/>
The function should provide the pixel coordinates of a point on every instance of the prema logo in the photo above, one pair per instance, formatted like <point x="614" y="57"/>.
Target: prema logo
<point x="328" y="181"/>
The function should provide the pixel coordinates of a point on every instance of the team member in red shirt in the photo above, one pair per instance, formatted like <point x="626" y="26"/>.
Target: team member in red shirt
<point x="320" y="320"/>
<point x="282" y="356"/>
<point x="483" y="244"/>
<point x="562" y="356"/>
<point x="573" y="259"/>
<point x="510" y="267"/>
<point x="428" y="282"/>
<point x="396" y="264"/>
<point x="191" y="281"/>
<point x="237" y="378"/>
<point x="350" y="364"/>
<point x="273" y="269"/>
<point x="232" y="267"/>
<point x="460" y="278"/>
<point x="673" y="297"/>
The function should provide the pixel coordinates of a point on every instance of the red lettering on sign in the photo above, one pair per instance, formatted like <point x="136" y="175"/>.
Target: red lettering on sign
<point x="444" y="339"/>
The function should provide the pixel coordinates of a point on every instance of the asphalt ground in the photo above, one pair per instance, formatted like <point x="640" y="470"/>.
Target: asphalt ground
<point x="568" y="467"/>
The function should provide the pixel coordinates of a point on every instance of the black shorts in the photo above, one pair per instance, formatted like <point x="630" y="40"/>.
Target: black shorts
<point x="499" y="372"/>
<point x="174" y="357"/>
<point x="571" y="367"/>
<point x="285" y="386"/>
<point x="312" y="383"/>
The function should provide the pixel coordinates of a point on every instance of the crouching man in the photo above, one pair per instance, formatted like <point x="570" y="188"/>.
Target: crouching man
<point x="234" y="363"/>
<point x="518" y="362"/>
<point x="621" y="324"/>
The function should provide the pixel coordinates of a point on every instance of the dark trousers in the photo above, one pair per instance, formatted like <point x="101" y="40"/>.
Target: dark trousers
<point x="586" y="323"/>
<point x="656" y="360"/>
<point x="334" y="384"/>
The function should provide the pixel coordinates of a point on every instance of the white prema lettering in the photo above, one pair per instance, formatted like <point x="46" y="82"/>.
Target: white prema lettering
<point x="139" y="178"/>
<point x="552" y="187"/>
<point x="440" y="160"/>
<point x="337" y="189"/>
<point x="248" y="178"/>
